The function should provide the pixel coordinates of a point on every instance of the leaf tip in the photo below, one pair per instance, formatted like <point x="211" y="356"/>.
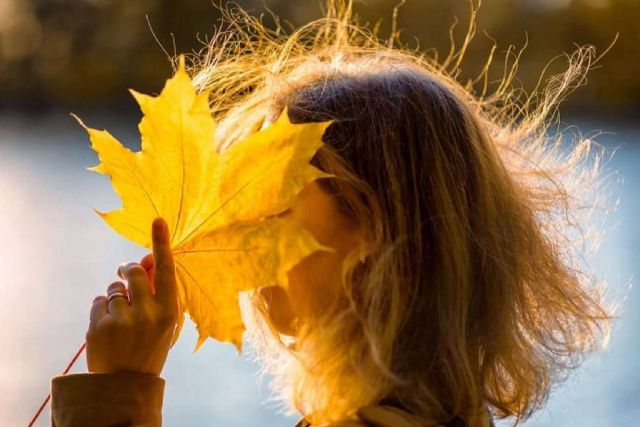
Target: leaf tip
<point x="181" y="62"/>
<point x="201" y="340"/>
<point x="97" y="168"/>
<point x="177" y="331"/>
<point x="134" y="93"/>
<point x="79" y="120"/>
<point x="322" y="247"/>
<point x="101" y="214"/>
<point x="140" y="98"/>
<point x="181" y="71"/>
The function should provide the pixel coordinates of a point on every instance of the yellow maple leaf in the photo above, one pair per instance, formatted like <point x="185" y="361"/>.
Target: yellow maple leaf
<point x="222" y="208"/>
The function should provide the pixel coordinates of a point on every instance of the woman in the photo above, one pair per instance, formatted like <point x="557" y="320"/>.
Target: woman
<point x="453" y="296"/>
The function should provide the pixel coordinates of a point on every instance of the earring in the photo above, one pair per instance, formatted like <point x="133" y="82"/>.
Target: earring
<point x="294" y="324"/>
<point x="364" y="252"/>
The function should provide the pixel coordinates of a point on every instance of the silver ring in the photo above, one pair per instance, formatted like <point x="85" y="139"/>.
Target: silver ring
<point x="115" y="295"/>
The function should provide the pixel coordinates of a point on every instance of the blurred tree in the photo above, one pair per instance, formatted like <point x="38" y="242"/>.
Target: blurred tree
<point x="87" y="52"/>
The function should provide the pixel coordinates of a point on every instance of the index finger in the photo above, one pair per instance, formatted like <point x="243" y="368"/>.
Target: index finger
<point x="165" y="275"/>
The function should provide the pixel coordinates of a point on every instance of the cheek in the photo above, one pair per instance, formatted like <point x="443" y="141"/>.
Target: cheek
<point x="279" y="308"/>
<point x="315" y="282"/>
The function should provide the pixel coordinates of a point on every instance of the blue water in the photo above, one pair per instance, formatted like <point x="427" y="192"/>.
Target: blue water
<point x="57" y="254"/>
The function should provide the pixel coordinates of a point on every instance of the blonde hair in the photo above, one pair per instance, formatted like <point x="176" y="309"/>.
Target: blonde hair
<point x="474" y="291"/>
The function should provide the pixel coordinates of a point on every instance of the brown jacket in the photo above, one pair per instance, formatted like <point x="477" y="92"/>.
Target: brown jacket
<point x="135" y="400"/>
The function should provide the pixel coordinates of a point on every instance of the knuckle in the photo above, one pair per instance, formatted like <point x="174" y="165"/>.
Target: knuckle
<point x="115" y="286"/>
<point x="144" y="323"/>
<point x="164" y="267"/>
<point x="136" y="269"/>
<point x="143" y="315"/>
<point x="161" y="270"/>
<point x="116" y="325"/>
<point x="147" y="260"/>
<point x="166" y="320"/>
<point x="109" y="327"/>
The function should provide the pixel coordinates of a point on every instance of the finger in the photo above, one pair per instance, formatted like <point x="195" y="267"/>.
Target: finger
<point x="119" y="305"/>
<point x="165" y="276"/>
<point x="98" y="310"/>
<point x="147" y="263"/>
<point x="138" y="283"/>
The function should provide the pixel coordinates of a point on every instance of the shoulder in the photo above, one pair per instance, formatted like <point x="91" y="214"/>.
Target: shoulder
<point x="389" y="416"/>
<point x="383" y="416"/>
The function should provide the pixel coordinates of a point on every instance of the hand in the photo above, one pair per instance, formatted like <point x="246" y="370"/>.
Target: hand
<point x="134" y="334"/>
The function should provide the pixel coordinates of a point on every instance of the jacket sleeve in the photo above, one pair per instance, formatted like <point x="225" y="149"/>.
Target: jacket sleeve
<point x="107" y="399"/>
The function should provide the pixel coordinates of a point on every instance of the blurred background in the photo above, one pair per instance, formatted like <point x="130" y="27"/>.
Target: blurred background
<point x="81" y="56"/>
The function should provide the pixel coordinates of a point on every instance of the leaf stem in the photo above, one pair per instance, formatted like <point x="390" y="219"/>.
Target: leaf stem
<point x="46" y="400"/>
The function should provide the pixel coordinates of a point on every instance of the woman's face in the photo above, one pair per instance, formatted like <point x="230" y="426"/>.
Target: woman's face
<point x="316" y="279"/>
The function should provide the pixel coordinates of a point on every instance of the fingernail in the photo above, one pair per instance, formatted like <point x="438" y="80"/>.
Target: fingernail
<point x="122" y="267"/>
<point x="159" y="225"/>
<point x="147" y="261"/>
